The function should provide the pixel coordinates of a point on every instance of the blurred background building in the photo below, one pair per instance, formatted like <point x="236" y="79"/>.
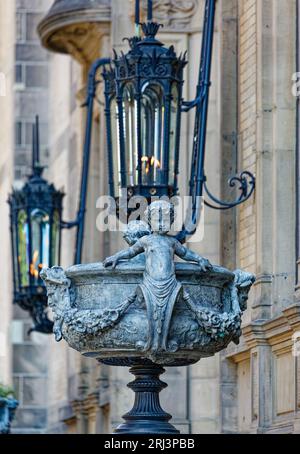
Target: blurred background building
<point x="252" y="388"/>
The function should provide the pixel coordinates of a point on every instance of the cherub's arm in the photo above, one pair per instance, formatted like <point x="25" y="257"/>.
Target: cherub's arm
<point x="125" y="254"/>
<point x="190" y="256"/>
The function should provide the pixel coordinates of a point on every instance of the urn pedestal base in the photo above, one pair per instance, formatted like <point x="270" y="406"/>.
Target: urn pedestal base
<point x="147" y="416"/>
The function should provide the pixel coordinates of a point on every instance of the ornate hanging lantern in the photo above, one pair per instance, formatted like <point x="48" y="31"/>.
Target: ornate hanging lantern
<point x="143" y="105"/>
<point x="35" y="213"/>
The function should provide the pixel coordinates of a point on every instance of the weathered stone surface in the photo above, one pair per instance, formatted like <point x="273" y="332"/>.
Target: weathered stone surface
<point x="28" y="418"/>
<point x="95" y="312"/>
<point x="34" y="391"/>
<point x="154" y="309"/>
<point x="29" y="359"/>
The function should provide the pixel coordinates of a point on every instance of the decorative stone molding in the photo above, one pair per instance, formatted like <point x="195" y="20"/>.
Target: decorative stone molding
<point x="88" y="406"/>
<point x="173" y="14"/>
<point x="277" y="331"/>
<point x="75" y="27"/>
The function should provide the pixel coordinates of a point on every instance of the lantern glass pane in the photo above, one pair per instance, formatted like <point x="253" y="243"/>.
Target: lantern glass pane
<point x="23" y="248"/>
<point x="15" y="257"/>
<point x="115" y="137"/>
<point x="130" y="135"/>
<point x="55" y="239"/>
<point x="40" y="228"/>
<point x="173" y="132"/>
<point x="152" y="133"/>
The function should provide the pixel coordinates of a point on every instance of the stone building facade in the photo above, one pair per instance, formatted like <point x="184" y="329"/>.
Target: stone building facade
<point x="25" y="64"/>
<point x="252" y="388"/>
<point x="7" y="35"/>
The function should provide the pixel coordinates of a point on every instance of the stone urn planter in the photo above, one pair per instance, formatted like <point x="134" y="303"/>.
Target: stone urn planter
<point x="96" y="313"/>
<point x="8" y="408"/>
<point x="142" y="309"/>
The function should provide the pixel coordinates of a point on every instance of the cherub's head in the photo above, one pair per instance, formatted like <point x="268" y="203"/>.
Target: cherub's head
<point x="136" y="230"/>
<point x="160" y="216"/>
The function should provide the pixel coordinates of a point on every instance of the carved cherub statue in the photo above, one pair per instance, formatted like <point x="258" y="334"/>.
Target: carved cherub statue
<point x="160" y="288"/>
<point x="135" y="231"/>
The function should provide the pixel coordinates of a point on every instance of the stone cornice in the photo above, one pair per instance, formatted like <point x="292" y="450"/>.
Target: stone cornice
<point x="276" y="333"/>
<point x="292" y="314"/>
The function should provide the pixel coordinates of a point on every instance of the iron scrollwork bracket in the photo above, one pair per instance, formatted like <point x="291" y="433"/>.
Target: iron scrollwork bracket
<point x="247" y="182"/>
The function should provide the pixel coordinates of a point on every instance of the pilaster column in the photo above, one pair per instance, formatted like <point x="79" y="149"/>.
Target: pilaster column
<point x="263" y="79"/>
<point x="261" y="377"/>
<point x="276" y="119"/>
<point x="298" y="161"/>
<point x="7" y="71"/>
<point x="229" y="124"/>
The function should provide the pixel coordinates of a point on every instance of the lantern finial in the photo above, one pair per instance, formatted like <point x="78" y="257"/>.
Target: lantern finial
<point x="37" y="169"/>
<point x="137" y="18"/>
<point x="150" y="11"/>
<point x="150" y="29"/>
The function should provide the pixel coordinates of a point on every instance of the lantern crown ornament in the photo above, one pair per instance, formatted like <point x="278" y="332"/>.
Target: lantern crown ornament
<point x="35" y="214"/>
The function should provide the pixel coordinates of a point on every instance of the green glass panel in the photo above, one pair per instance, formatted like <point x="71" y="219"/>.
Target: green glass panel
<point x="55" y="239"/>
<point x="40" y="229"/>
<point x="23" y="248"/>
<point x="15" y="258"/>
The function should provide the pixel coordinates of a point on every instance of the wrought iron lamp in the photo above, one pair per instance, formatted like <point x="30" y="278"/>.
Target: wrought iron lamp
<point x="144" y="106"/>
<point x="35" y="213"/>
<point x="36" y="226"/>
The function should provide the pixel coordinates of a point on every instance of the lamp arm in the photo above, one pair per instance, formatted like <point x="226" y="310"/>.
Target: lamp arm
<point x="186" y="106"/>
<point x="89" y="103"/>
<point x="71" y="224"/>
<point x="247" y="183"/>
<point x="201" y="103"/>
